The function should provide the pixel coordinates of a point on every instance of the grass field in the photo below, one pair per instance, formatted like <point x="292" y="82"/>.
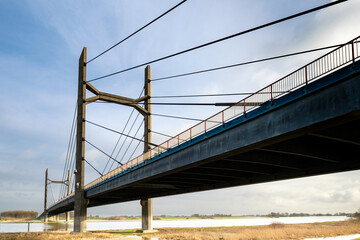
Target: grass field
<point x="274" y="231"/>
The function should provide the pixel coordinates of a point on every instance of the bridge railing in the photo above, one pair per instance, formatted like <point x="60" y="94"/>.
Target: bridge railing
<point x="344" y="55"/>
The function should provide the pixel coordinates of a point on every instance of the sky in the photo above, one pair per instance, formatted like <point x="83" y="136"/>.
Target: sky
<point x="40" y="44"/>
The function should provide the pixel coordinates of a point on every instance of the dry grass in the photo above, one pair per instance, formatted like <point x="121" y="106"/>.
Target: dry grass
<point x="275" y="231"/>
<point x="116" y="218"/>
<point x="12" y="219"/>
<point x="58" y="236"/>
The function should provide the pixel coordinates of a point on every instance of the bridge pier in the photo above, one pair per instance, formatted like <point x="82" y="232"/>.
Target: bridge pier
<point x="46" y="218"/>
<point x="67" y="217"/>
<point x="146" y="215"/>
<point x="80" y="218"/>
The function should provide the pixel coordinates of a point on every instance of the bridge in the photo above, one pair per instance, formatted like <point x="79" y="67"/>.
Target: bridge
<point x="306" y="123"/>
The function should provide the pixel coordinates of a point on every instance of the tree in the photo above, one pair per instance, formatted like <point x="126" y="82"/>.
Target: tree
<point x="19" y="214"/>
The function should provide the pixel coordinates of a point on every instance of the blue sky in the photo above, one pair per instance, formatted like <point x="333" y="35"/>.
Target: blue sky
<point x="40" y="43"/>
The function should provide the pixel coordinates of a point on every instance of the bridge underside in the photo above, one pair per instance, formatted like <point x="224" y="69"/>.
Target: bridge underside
<point x="318" y="133"/>
<point x="326" y="148"/>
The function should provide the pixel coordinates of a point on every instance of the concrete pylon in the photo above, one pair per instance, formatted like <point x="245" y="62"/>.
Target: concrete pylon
<point x="146" y="204"/>
<point x="46" y="218"/>
<point x="80" y="204"/>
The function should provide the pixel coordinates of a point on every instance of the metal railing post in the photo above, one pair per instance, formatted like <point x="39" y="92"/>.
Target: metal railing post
<point x="353" y="51"/>
<point x="244" y="107"/>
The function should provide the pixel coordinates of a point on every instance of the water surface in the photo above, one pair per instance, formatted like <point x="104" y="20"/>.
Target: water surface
<point x="196" y="223"/>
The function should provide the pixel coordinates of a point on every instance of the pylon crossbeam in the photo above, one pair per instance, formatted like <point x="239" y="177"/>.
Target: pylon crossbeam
<point x="91" y="88"/>
<point x="52" y="181"/>
<point x="108" y="97"/>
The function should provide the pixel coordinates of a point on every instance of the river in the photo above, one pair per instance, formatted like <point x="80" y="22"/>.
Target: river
<point x="118" y="225"/>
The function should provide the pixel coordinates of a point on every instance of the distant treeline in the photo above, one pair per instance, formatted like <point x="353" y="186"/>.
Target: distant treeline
<point x="210" y="216"/>
<point x="19" y="214"/>
<point x="277" y="214"/>
<point x="204" y="216"/>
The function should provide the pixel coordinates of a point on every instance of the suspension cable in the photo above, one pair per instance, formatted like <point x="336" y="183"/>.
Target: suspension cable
<point x="245" y="63"/>
<point x="182" y="103"/>
<point x="117" y="143"/>
<point x="177" y="117"/>
<point x="224" y="38"/>
<point x="123" y="143"/>
<point x="93" y="167"/>
<point x="102" y="152"/>
<point x="112" y="130"/>
<point x="162" y="134"/>
<point x="67" y="166"/>
<point x="137" y="146"/>
<point x="67" y="160"/>
<point x="132" y="142"/>
<point x="73" y="162"/>
<point x="73" y="179"/>
<point x="203" y="95"/>
<point x="71" y="165"/>
<point x="148" y="24"/>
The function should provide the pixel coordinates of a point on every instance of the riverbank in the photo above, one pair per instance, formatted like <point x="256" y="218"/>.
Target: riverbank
<point x="272" y="231"/>
<point x="17" y="220"/>
<point x="103" y="225"/>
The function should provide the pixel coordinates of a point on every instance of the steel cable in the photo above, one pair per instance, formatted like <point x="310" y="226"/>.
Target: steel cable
<point x="244" y="63"/>
<point x="121" y="134"/>
<point x="137" y="146"/>
<point x="67" y="162"/>
<point x="97" y="148"/>
<point x="131" y="142"/>
<point x="223" y="39"/>
<point x="122" y="145"/>
<point x="154" y="20"/>
<point x="93" y="167"/>
<point x="112" y="130"/>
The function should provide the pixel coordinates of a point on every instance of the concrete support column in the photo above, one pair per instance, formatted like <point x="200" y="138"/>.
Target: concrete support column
<point x="80" y="201"/>
<point x="67" y="217"/>
<point x="45" y="198"/>
<point x="146" y="204"/>
<point x="146" y="214"/>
